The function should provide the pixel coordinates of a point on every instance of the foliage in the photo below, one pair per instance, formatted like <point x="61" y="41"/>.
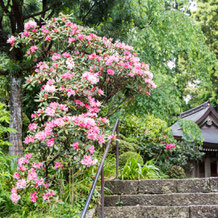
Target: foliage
<point x="134" y="170"/>
<point x="4" y="123"/>
<point x="155" y="141"/>
<point x="123" y="158"/>
<point x="176" y="172"/>
<point x="206" y="16"/>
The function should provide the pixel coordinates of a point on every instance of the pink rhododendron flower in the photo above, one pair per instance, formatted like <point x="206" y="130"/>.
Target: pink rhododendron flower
<point x="21" y="184"/>
<point x="101" y="139"/>
<point x="33" y="126"/>
<point x="93" y="78"/>
<point x="29" y="140"/>
<point x="28" y="156"/>
<point x="41" y="136"/>
<point x="50" y="112"/>
<point x="58" y="165"/>
<point x="30" y="24"/>
<point x="13" y="190"/>
<point x="23" y="160"/>
<point x="22" y="168"/>
<point x="75" y="145"/>
<point x="110" y="72"/>
<point x="15" y="198"/>
<point x="71" y="39"/>
<point x="50" y="142"/>
<point x="91" y="149"/>
<point x="87" y="161"/>
<point x="37" y="165"/>
<point x="32" y="175"/>
<point x="47" y="195"/>
<point x="16" y="175"/>
<point x="11" y="40"/>
<point x="33" y="196"/>
<point x="49" y="88"/>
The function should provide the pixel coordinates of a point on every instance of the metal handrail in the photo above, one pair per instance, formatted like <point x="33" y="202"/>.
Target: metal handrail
<point x="101" y="170"/>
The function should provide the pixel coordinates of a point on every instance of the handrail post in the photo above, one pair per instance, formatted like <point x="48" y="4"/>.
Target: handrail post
<point x="102" y="192"/>
<point x="117" y="153"/>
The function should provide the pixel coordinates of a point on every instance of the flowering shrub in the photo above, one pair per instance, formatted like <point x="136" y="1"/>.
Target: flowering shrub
<point x="76" y="70"/>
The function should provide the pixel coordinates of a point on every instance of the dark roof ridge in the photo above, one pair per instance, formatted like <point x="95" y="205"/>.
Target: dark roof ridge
<point x="196" y="109"/>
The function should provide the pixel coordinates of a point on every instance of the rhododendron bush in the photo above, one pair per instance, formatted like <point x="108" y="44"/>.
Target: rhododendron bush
<point x="76" y="71"/>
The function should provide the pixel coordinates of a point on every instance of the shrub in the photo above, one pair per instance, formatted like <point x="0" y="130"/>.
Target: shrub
<point x="123" y="158"/>
<point x="176" y="172"/>
<point x="76" y="71"/>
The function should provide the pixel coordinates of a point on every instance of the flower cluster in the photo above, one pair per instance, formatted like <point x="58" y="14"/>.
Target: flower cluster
<point x="27" y="179"/>
<point x="170" y="147"/>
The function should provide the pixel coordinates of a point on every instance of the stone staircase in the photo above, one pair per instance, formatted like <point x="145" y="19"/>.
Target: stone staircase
<point x="165" y="198"/>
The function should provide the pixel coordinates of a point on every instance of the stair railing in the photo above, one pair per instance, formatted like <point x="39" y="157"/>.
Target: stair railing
<point x="101" y="170"/>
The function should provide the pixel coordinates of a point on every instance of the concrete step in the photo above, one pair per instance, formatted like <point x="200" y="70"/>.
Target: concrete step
<point x="163" y="186"/>
<point x="173" y="199"/>
<point x="200" y="211"/>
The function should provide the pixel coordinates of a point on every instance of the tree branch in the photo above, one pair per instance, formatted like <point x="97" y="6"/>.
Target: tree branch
<point x="36" y="14"/>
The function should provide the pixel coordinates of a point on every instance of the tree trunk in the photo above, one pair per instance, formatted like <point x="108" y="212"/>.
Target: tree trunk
<point x="15" y="139"/>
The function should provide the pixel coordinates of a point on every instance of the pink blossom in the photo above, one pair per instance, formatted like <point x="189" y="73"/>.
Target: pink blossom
<point x="50" y="112"/>
<point x="50" y="142"/>
<point x="33" y="196"/>
<point x="56" y="56"/>
<point x="67" y="75"/>
<point x="93" y="78"/>
<point x="111" y="137"/>
<point x="22" y="161"/>
<point x="47" y="38"/>
<point x="101" y="139"/>
<point x="110" y="71"/>
<point x="33" y="48"/>
<point x="49" y="88"/>
<point x="91" y="149"/>
<point x="58" y="165"/>
<point x="22" y="168"/>
<point x="13" y="190"/>
<point x="21" y="184"/>
<point x="63" y="107"/>
<point x="41" y="136"/>
<point x="28" y="156"/>
<point x="32" y="175"/>
<point x="11" y="40"/>
<point x="37" y="165"/>
<point x="87" y="161"/>
<point x="29" y="140"/>
<point x="47" y="195"/>
<point x="100" y="92"/>
<point x="71" y="39"/>
<point x="16" y="175"/>
<point x="148" y="93"/>
<point x="30" y="24"/>
<point x="59" y="122"/>
<point x="33" y="126"/>
<point x="70" y="63"/>
<point x="15" y="198"/>
<point x="54" y="105"/>
<point x="75" y="145"/>
<point x="70" y="92"/>
<point x="80" y="37"/>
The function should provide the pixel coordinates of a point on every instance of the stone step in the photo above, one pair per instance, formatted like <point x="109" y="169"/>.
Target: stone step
<point x="199" y="211"/>
<point x="173" y="199"/>
<point x="161" y="186"/>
